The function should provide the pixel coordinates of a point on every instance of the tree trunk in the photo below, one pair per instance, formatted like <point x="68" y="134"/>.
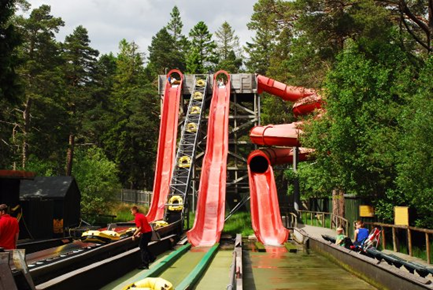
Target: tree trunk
<point x="337" y="205"/>
<point x="26" y="129"/>
<point x="70" y="154"/>
<point x="341" y="208"/>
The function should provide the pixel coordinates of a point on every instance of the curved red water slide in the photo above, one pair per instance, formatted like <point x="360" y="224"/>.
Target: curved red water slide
<point x="166" y="146"/>
<point x="265" y="210"/>
<point x="209" y="219"/>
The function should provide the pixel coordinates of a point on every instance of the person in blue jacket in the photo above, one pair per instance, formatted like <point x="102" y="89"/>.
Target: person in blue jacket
<point x="361" y="233"/>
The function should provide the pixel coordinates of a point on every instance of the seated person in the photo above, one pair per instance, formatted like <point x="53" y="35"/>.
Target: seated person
<point x="340" y="238"/>
<point x="361" y="233"/>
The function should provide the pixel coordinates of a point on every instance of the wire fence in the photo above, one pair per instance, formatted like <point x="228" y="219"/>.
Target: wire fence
<point x="135" y="196"/>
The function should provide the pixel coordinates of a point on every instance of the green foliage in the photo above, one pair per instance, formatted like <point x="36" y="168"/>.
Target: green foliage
<point x="97" y="178"/>
<point x="265" y="22"/>
<point x="323" y="30"/>
<point x="41" y="72"/>
<point x="9" y="81"/>
<point x="202" y="56"/>
<point x="356" y="139"/>
<point x="415" y="166"/>
<point x="122" y="211"/>
<point x="228" y="49"/>
<point x="41" y="167"/>
<point x="130" y="141"/>
<point x="9" y="41"/>
<point x="164" y="54"/>
<point x="239" y="222"/>
<point x="181" y="43"/>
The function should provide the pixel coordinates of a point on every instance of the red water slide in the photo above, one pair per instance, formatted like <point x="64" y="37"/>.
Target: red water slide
<point x="288" y="93"/>
<point x="277" y="135"/>
<point x="166" y="144"/>
<point x="265" y="210"/>
<point x="209" y="219"/>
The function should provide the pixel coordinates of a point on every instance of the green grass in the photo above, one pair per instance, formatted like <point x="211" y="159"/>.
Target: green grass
<point x="118" y="212"/>
<point x="239" y="222"/>
<point x="122" y="211"/>
<point x="306" y="220"/>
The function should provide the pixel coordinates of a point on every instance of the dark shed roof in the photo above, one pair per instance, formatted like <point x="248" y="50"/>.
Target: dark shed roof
<point x="47" y="187"/>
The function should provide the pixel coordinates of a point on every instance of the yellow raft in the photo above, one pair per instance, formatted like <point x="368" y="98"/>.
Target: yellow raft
<point x="159" y="224"/>
<point x="150" y="284"/>
<point x="100" y="236"/>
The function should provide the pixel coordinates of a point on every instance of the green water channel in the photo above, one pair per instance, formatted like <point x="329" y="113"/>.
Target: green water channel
<point x="274" y="269"/>
<point x="278" y="269"/>
<point x="175" y="274"/>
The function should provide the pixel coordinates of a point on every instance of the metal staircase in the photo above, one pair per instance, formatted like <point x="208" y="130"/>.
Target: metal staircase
<point x="182" y="173"/>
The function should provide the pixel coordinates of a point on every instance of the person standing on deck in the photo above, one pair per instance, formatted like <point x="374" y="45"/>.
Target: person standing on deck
<point x="9" y="229"/>
<point x="144" y="232"/>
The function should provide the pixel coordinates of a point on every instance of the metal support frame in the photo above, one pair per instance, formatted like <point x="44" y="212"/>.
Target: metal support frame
<point x="182" y="172"/>
<point x="244" y="115"/>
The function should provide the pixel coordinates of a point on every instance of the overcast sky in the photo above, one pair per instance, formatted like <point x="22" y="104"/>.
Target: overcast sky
<point x="109" y="21"/>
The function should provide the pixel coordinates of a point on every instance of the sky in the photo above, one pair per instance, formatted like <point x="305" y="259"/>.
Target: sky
<point x="109" y="21"/>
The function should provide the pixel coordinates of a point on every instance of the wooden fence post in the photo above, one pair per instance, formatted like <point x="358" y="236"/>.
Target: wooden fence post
<point x="427" y="245"/>
<point x="394" y="240"/>
<point x="409" y="241"/>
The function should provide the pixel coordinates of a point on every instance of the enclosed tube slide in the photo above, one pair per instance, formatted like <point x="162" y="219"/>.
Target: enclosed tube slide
<point x="285" y="155"/>
<point x="307" y="105"/>
<point x="277" y="135"/>
<point x="288" y="93"/>
<point x="265" y="210"/>
<point x="166" y="145"/>
<point x="209" y="219"/>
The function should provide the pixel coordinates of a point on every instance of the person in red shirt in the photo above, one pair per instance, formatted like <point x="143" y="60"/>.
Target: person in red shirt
<point x="9" y="229"/>
<point x="144" y="231"/>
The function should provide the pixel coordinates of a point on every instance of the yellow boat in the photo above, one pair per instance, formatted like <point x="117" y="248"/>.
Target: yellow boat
<point x="100" y="236"/>
<point x="150" y="284"/>
<point x="159" y="224"/>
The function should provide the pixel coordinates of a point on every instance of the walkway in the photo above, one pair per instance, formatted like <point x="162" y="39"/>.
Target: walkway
<point x="317" y="232"/>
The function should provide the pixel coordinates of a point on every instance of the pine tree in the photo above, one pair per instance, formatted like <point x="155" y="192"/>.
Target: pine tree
<point x="174" y="27"/>
<point x="163" y="54"/>
<point x="9" y="85"/>
<point x="9" y="41"/>
<point x="80" y="60"/>
<point x="201" y="57"/>
<point x="228" y="49"/>
<point x="131" y="139"/>
<point x="40" y="71"/>
<point x="264" y="22"/>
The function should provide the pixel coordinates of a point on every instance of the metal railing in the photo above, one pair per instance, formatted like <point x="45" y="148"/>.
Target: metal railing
<point x="409" y="230"/>
<point x="325" y="219"/>
<point x="236" y="266"/>
<point x="290" y="220"/>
